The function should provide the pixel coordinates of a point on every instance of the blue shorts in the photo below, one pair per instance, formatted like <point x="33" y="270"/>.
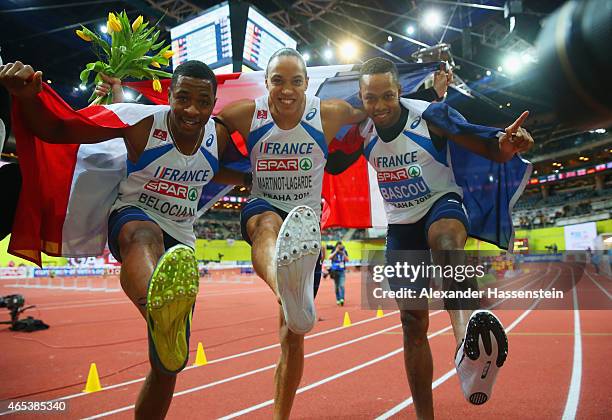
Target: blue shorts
<point x="120" y="217"/>
<point x="413" y="237"/>
<point x="256" y="206"/>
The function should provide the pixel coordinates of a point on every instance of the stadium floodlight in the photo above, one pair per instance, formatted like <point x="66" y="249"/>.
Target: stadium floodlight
<point x="82" y="87"/>
<point x="306" y="56"/>
<point x="500" y="69"/>
<point x="389" y="38"/>
<point x="328" y="53"/>
<point x="103" y="29"/>
<point x="409" y="29"/>
<point x="128" y="96"/>
<point x="49" y="81"/>
<point x="348" y="50"/>
<point x="488" y="72"/>
<point x="432" y="19"/>
<point x="512" y="63"/>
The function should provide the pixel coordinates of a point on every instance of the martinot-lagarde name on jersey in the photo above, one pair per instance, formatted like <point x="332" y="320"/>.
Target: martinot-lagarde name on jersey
<point x="273" y="148"/>
<point x="170" y="174"/>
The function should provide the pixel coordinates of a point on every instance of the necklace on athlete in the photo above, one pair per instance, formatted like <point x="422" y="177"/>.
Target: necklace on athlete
<point x="198" y="141"/>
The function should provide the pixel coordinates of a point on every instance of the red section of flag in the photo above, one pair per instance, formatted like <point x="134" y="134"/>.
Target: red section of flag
<point x="348" y="196"/>
<point x="47" y="171"/>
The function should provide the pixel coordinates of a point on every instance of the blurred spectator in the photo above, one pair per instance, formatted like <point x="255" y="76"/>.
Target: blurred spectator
<point x="337" y="271"/>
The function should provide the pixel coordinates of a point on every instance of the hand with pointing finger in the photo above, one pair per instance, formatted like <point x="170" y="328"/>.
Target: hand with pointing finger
<point x="516" y="139"/>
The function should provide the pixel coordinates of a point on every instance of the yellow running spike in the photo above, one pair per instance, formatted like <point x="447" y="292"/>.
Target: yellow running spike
<point x="93" y="380"/>
<point x="200" y="356"/>
<point x="347" y="320"/>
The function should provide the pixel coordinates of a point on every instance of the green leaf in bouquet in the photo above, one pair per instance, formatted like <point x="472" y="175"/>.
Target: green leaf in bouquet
<point x="84" y="76"/>
<point x="158" y="46"/>
<point x="160" y="73"/>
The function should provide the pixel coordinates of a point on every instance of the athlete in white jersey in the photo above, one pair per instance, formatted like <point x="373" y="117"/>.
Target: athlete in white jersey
<point x="171" y="155"/>
<point x="166" y="184"/>
<point x="425" y="212"/>
<point x="412" y="173"/>
<point x="288" y="165"/>
<point x="287" y="135"/>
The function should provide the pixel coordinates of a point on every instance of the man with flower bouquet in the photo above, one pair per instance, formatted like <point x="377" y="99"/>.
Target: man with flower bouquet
<point x="173" y="152"/>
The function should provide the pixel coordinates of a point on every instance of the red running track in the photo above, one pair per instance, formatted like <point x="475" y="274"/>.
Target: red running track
<point x="557" y="365"/>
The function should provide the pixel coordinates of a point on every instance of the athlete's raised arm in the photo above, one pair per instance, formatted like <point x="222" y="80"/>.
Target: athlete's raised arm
<point x="25" y="84"/>
<point x="515" y="140"/>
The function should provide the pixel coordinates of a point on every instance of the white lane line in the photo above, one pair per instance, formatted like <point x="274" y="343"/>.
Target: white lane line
<point x="270" y="367"/>
<point x="330" y="378"/>
<point x="452" y="372"/>
<point x="126" y="300"/>
<point x="599" y="285"/>
<point x="80" y="394"/>
<point x="272" y="346"/>
<point x="234" y="356"/>
<point x="361" y="366"/>
<point x="573" y="394"/>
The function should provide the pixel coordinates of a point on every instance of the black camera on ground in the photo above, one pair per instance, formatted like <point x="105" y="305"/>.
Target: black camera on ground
<point x="15" y="304"/>
<point x="12" y="302"/>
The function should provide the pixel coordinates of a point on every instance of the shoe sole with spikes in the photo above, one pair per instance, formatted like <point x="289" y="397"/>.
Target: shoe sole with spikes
<point x="297" y="251"/>
<point x="171" y="296"/>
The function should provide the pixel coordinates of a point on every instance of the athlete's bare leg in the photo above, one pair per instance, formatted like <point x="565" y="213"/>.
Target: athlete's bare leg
<point x="418" y="361"/>
<point x="450" y="235"/>
<point x="142" y="244"/>
<point x="263" y="230"/>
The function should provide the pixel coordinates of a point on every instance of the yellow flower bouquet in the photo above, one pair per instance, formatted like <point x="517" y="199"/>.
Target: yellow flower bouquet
<point x="133" y="52"/>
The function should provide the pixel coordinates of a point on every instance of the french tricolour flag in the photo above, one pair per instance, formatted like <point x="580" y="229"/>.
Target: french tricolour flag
<point x="68" y="189"/>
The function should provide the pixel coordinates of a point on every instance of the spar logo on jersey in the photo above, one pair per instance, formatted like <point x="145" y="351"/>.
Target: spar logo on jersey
<point x="192" y="194"/>
<point x="160" y="134"/>
<point x="262" y="114"/>
<point x="170" y="189"/>
<point x="414" y="171"/>
<point x="274" y="165"/>
<point x="401" y="174"/>
<point x="305" y="164"/>
<point x="392" y="176"/>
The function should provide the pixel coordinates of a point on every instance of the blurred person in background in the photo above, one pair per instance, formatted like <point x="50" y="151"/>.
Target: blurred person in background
<point x="337" y="271"/>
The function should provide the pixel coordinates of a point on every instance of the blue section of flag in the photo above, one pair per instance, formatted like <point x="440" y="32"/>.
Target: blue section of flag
<point x="490" y="189"/>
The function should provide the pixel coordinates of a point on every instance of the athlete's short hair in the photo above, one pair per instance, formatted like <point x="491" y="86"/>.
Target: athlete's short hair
<point x="287" y="52"/>
<point x="196" y="69"/>
<point x="379" y="65"/>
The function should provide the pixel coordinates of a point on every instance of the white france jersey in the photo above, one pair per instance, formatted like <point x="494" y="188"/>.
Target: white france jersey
<point x="288" y="165"/>
<point x="412" y="174"/>
<point x="167" y="184"/>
